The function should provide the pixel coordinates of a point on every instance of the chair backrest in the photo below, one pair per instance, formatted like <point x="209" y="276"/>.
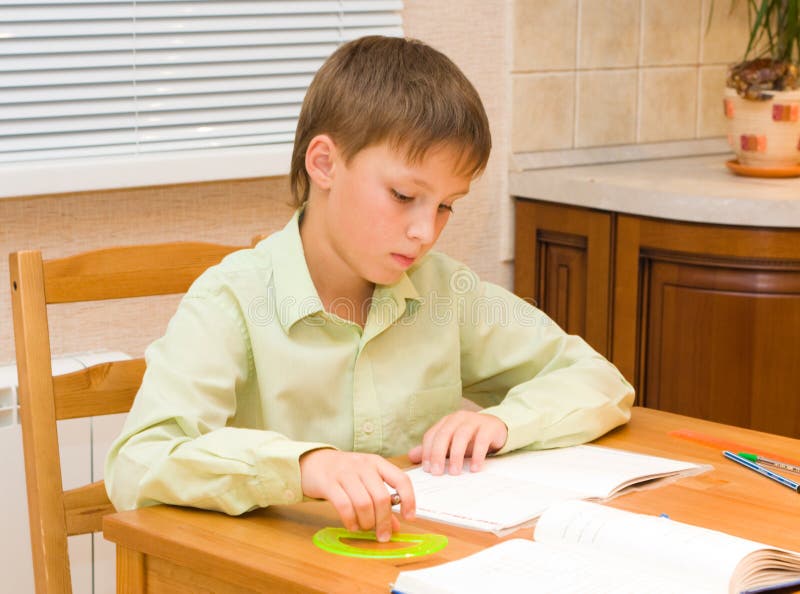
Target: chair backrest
<point x="102" y="389"/>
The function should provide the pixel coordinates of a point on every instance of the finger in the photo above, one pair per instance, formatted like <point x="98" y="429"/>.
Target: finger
<point x="381" y="505"/>
<point x="344" y="507"/>
<point x="399" y="481"/>
<point x="480" y="447"/>
<point x="459" y="443"/>
<point x="441" y="442"/>
<point x="427" y="444"/>
<point x="415" y="454"/>
<point x="361" y="500"/>
<point x="494" y="433"/>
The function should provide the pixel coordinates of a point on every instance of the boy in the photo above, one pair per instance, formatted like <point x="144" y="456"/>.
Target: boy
<point x="294" y="368"/>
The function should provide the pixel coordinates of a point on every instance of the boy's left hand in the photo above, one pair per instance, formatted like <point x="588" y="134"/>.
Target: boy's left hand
<point x="456" y="436"/>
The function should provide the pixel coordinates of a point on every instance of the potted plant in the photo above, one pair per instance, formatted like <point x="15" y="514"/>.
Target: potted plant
<point x="762" y="98"/>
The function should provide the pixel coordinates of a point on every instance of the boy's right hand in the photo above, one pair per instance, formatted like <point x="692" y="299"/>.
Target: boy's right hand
<point x="354" y="484"/>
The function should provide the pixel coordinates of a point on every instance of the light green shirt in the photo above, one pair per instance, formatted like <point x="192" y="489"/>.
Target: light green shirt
<point x="253" y="372"/>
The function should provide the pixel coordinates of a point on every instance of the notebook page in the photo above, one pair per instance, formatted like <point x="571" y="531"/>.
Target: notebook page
<point x="517" y="566"/>
<point x="482" y="500"/>
<point x="595" y="470"/>
<point x="515" y="488"/>
<point x="708" y="556"/>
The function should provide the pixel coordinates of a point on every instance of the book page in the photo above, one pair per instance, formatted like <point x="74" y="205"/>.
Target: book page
<point x="483" y="500"/>
<point x="517" y="487"/>
<point x="707" y="556"/>
<point x="768" y="568"/>
<point x="518" y="566"/>
<point x="597" y="471"/>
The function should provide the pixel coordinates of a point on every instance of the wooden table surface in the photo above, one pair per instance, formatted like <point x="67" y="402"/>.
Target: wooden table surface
<point x="175" y="550"/>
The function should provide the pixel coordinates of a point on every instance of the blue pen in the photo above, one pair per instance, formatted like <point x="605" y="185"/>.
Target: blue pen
<point x="761" y="470"/>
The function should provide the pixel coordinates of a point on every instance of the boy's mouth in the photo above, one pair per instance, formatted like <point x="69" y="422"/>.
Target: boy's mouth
<point x="403" y="260"/>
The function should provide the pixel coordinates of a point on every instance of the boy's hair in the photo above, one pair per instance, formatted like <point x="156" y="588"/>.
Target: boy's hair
<point x="388" y="89"/>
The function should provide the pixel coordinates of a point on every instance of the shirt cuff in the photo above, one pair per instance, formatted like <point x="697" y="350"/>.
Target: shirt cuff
<point x="278" y="469"/>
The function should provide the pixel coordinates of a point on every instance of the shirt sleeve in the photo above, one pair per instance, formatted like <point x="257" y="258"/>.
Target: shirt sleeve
<point x="551" y="389"/>
<point x="177" y="445"/>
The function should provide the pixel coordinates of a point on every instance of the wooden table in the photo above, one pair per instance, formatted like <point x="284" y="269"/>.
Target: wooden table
<point x="168" y="549"/>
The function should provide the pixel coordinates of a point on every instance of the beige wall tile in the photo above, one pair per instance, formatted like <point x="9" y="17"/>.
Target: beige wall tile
<point x="668" y="104"/>
<point x="711" y="118"/>
<point x="545" y="34"/>
<point x="606" y="107"/>
<point x="543" y="111"/>
<point x="725" y="40"/>
<point x="671" y="32"/>
<point x="609" y="33"/>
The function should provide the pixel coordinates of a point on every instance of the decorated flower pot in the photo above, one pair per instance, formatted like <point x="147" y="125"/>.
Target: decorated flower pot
<point x="765" y="134"/>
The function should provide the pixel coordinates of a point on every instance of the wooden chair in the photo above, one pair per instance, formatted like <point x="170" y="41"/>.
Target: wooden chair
<point x="102" y="389"/>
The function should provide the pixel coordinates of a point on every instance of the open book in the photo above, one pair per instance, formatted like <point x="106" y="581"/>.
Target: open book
<point x="513" y="489"/>
<point x="585" y="547"/>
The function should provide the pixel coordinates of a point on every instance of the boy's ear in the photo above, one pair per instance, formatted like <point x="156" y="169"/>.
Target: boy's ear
<point x="321" y="158"/>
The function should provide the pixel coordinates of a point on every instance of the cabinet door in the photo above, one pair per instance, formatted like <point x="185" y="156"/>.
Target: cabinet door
<point x="562" y="262"/>
<point x="708" y="320"/>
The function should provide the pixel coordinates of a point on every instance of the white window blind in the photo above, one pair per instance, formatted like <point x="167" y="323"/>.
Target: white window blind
<point x="89" y="79"/>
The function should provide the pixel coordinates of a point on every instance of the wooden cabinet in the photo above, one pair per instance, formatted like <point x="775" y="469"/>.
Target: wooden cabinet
<point x="563" y="263"/>
<point x="703" y="319"/>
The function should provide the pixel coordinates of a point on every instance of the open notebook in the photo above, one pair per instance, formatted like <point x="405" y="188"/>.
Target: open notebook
<point x="513" y="489"/>
<point x="585" y="547"/>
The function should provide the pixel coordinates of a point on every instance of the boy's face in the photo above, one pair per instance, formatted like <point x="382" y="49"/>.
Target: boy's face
<point x="384" y="214"/>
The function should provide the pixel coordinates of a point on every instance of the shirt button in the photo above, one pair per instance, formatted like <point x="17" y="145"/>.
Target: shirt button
<point x="367" y="427"/>
<point x="289" y="495"/>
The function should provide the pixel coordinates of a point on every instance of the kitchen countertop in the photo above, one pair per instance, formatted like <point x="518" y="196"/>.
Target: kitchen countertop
<point x="694" y="189"/>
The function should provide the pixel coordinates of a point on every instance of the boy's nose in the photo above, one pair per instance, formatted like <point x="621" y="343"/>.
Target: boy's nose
<point x="422" y="227"/>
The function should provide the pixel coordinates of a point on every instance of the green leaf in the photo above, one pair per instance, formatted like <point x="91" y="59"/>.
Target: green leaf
<point x="758" y="26"/>
<point x="792" y="32"/>
<point x="774" y="28"/>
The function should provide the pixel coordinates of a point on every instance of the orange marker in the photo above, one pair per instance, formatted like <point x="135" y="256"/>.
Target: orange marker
<point x="724" y="444"/>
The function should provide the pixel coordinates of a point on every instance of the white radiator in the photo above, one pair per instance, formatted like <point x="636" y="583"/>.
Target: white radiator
<point x="84" y="443"/>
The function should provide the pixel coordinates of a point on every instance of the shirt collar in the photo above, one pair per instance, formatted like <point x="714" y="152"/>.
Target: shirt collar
<point x="389" y="304"/>
<point x="297" y="296"/>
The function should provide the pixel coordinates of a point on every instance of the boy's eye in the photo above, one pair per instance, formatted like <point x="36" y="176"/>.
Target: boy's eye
<point x="401" y="197"/>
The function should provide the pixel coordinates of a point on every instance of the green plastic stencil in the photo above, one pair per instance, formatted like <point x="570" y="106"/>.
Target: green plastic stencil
<point x="330" y="539"/>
